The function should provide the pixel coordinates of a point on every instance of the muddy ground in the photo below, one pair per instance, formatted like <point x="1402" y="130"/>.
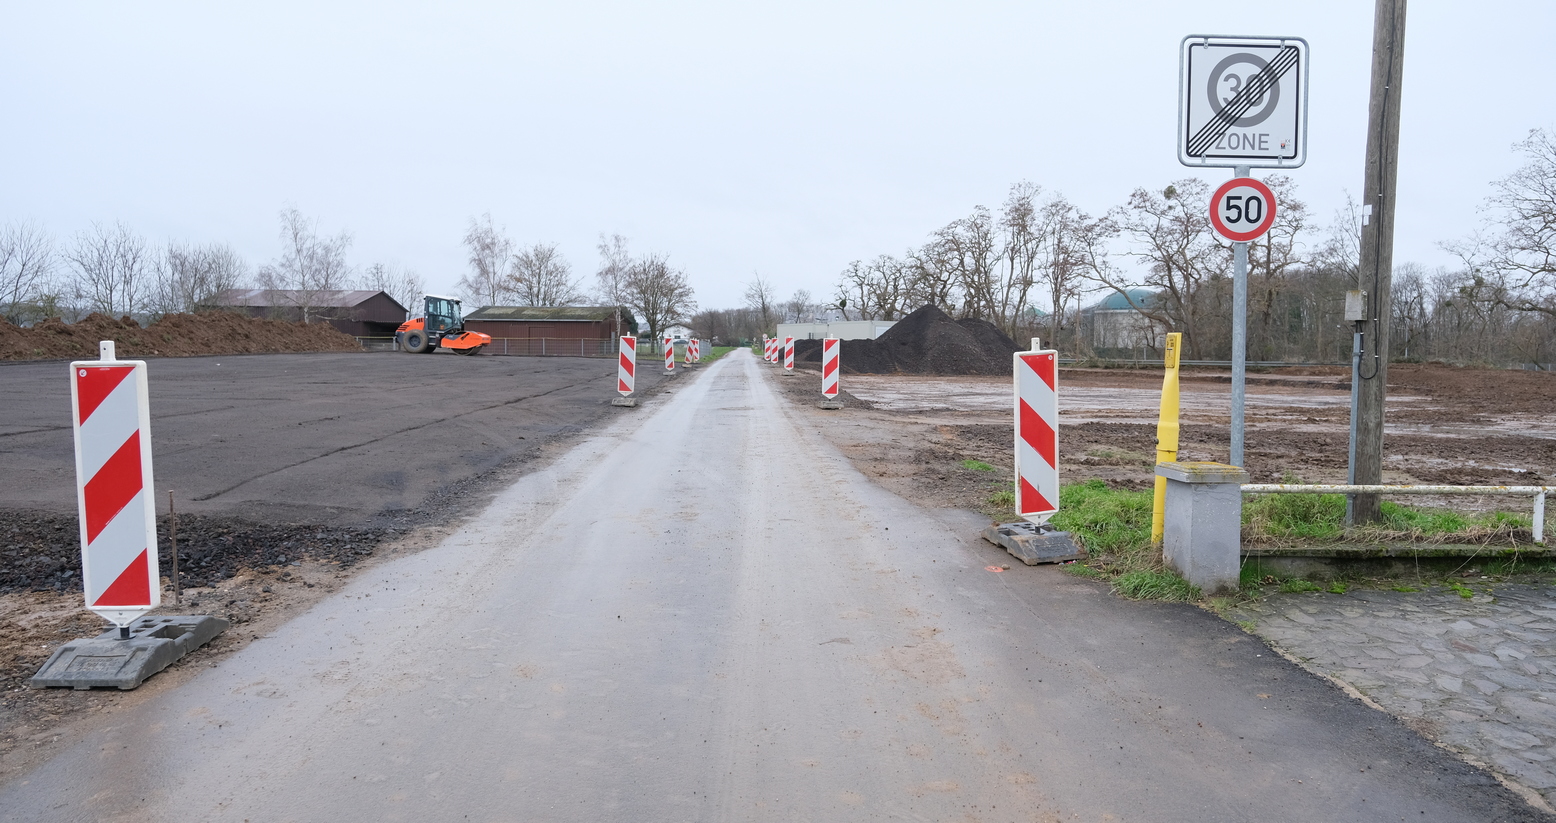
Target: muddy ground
<point x="290" y="473"/>
<point x="1443" y="425"/>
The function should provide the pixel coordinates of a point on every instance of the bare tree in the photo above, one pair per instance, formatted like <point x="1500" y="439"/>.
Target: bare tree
<point x="611" y="277"/>
<point x="1272" y="259"/>
<point x="1025" y="227"/>
<point x="26" y="265"/>
<point x="310" y="266"/>
<point x="1522" y="251"/>
<point x="1071" y="250"/>
<point x="967" y="252"/>
<point x="762" y="299"/>
<point x="800" y="308"/>
<point x="1341" y="250"/>
<point x="659" y="294"/>
<point x="491" y="261"/>
<point x="399" y="282"/>
<point x="540" y="276"/>
<point x="188" y="277"/>
<point x="929" y="279"/>
<point x="875" y="290"/>
<point x="1186" y="261"/>
<point x="112" y="270"/>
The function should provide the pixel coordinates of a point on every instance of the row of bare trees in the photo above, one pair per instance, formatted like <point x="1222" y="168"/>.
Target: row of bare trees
<point x="108" y="269"/>
<point x="113" y="270"/>
<point x="1028" y="266"/>
<point x="658" y="293"/>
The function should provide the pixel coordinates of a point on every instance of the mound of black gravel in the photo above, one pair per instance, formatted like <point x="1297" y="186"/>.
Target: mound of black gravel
<point x="927" y="341"/>
<point x="41" y="551"/>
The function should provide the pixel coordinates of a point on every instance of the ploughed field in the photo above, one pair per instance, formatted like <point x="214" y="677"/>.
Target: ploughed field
<point x="1444" y="425"/>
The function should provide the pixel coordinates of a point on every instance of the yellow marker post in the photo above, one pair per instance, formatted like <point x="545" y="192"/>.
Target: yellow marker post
<point x="1166" y="432"/>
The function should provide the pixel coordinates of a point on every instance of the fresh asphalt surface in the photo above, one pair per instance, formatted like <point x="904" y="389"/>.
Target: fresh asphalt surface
<point x="704" y="613"/>
<point x="332" y="439"/>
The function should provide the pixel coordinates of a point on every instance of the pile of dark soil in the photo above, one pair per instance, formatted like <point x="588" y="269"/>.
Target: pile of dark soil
<point x="927" y="341"/>
<point x="175" y="335"/>
<point x="40" y="551"/>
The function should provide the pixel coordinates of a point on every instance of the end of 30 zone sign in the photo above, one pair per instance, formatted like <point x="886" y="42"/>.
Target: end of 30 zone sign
<point x="1242" y="101"/>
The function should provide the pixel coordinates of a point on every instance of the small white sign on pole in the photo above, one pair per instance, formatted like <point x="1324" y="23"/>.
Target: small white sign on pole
<point x="1242" y="101"/>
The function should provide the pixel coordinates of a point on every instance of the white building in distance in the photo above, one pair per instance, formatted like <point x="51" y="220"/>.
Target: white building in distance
<point x="841" y="329"/>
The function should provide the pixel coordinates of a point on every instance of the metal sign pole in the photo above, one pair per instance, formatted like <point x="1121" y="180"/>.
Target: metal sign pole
<point x="1239" y="338"/>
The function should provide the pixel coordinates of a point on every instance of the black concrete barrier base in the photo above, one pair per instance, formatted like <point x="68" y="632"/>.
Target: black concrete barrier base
<point x="628" y="402"/>
<point x="106" y="661"/>
<point x="1033" y="544"/>
<point x="830" y="404"/>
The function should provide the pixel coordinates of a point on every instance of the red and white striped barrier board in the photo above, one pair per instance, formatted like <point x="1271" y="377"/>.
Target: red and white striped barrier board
<point x="115" y="499"/>
<point x="669" y="354"/>
<point x="788" y="354"/>
<point x="627" y="366"/>
<point x="829" y="367"/>
<point x="767" y="349"/>
<point x="695" y="353"/>
<point x="1037" y="434"/>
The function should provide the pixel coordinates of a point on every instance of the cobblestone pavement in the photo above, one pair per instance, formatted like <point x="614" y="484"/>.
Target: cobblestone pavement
<point x="1477" y="675"/>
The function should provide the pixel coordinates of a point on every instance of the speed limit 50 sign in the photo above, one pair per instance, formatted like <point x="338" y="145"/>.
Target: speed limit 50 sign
<point x="1242" y="101"/>
<point x="1242" y="209"/>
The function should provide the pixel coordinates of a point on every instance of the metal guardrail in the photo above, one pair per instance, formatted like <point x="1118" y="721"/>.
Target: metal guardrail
<point x="1537" y="492"/>
<point x="1148" y="363"/>
<point x="553" y="346"/>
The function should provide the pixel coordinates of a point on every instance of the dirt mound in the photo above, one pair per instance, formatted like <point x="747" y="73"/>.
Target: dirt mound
<point x="927" y="341"/>
<point x="175" y="335"/>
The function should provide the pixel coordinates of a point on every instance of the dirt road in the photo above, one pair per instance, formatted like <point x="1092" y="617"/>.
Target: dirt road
<point x="705" y="613"/>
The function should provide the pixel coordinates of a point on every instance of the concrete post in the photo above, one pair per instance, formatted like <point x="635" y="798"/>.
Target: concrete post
<point x="1203" y="534"/>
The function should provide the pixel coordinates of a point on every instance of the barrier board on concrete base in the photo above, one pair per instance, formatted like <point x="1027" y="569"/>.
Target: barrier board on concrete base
<point x="1033" y="544"/>
<point x="111" y="661"/>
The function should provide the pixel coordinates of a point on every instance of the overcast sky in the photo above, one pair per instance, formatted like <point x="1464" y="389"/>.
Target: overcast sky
<point x="784" y="138"/>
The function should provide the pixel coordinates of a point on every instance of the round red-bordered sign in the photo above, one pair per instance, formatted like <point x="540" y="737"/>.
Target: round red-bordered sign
<point x="1242" y="209"/>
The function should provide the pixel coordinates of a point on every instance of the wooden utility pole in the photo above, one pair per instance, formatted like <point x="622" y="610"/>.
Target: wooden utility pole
<point x="1377" y="247"/>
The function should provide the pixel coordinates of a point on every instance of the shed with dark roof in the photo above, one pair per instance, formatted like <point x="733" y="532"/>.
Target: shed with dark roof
<point x="551" y="322"/>
<point x="357" y="312"/>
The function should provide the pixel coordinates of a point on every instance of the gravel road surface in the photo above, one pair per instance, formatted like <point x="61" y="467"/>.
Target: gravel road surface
<point x="333" y="439"/>
<point x="705" y="613"/>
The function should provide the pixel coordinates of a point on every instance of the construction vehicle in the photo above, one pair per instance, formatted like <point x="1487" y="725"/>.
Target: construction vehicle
<point x="441" y="326"/>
